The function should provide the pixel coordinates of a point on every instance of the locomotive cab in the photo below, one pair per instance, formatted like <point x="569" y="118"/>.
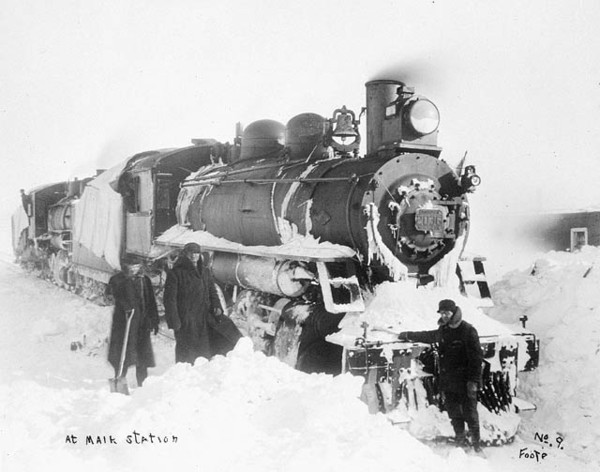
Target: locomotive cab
<point x="150" y="184"/>
<point x="31" y="229"/>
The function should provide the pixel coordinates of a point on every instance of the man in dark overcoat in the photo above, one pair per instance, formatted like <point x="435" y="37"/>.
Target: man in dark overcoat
<point x="132" y="291"/>
<point x="191" y="303"/>
<point x="315" y="353"/>
<point x="460" y="363"/>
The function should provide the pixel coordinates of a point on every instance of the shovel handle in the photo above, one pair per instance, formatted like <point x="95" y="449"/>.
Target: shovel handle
<point x="129" y="316"/>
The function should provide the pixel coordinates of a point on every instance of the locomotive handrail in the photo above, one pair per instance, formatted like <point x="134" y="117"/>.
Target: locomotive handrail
<point x="284" y="166"/>
<point x="219" y="181"/>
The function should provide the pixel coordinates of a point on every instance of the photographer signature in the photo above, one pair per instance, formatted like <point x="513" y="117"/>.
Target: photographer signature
<point x="545" y="441"/>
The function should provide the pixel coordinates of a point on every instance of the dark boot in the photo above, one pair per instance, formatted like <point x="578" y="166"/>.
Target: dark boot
<point x="476" y="440"/>
<point x="141" y="373"/>
<point x="460" y="439"/>
<point x="475" y="437"/>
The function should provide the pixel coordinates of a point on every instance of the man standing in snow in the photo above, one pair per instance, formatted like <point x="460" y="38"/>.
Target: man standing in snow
<point x="460" y="368"/>
<point x="132" y="291"/>
<point x="191" y="303"/>
<point x="315" y="354"/>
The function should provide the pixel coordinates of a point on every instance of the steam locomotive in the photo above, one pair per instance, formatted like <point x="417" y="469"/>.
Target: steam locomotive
<point x="294" y="221"/>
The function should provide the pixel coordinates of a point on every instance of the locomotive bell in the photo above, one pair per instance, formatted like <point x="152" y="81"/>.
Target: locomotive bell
<point x="344" y="125"/>
<point x="262" y="138"/>
<point x="343" y="135"/>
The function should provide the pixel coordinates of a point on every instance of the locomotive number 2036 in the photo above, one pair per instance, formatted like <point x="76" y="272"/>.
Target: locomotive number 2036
<point x="429" y="219"/>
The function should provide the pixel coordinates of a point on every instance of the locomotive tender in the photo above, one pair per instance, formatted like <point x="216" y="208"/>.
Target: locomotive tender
<point x="292" y="217"/>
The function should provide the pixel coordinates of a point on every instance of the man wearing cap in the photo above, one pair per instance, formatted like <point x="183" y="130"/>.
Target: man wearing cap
<point x="460" y="362"/>
<point x="132" y="292"/>
<point x="190" y="298"/>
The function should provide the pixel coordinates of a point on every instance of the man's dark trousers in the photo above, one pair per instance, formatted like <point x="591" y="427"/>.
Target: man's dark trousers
<point x="462" y="408"/>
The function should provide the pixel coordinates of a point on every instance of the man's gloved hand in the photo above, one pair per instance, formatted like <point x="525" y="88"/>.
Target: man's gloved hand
<point x="403" y="336"/>
<point x="472" y="388"/>
<point x="218" y="312"/>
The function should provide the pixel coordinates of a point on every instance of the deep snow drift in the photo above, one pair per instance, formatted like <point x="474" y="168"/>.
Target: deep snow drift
<point x="249" y="412"/>
<point x="560" y="295"/>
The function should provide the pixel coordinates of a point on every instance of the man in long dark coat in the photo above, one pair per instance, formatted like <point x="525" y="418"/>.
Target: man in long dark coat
<point x="132" y="291"/>
<point x="191" y="303"/>
<point x="315" y="354"/>
<point x="460" y="368"/>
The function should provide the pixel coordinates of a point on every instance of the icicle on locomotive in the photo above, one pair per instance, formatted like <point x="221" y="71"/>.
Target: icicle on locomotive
<point x="296" y="224"/>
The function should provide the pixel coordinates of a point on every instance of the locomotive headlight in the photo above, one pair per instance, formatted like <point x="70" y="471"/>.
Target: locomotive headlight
<point x="469" y="180"/>
<point x="423" y="116"/>
<point x="475" y="180"/>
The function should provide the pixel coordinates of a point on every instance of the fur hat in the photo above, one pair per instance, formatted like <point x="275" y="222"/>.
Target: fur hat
<point x="191" y="248"/>
<point x="447" y="305"/>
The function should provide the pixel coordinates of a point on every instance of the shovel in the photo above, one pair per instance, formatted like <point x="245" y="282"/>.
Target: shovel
<point x="119" y="383"/>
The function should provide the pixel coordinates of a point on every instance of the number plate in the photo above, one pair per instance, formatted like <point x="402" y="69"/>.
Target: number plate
<point x="429" y="219"/>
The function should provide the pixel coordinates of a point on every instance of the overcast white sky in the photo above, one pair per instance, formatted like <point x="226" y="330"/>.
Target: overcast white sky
<point x="85" y="84"/>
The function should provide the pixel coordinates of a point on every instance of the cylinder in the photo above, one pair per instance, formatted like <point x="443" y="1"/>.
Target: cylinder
<point x="380" y="93"/>
<point x="223" y="265"/>
<point x="283" y="278"/>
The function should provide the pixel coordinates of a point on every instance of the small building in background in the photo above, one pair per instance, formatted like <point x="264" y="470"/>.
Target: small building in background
<point x="560" y="230"/>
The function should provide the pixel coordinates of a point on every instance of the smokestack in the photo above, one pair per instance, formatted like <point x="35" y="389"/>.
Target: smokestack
<point x="380" y="93"/>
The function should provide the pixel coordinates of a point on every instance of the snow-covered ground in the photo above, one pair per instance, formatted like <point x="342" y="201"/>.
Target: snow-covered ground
<point x="560" y="295"/>
<point x="249" y="412"/>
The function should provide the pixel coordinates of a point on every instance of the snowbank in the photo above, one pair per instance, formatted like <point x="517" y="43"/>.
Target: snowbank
<point x="560" y="296"/>
<point x="399" y="306"/>
<point x="240" y="412"/>
<point x="249" y="412"/>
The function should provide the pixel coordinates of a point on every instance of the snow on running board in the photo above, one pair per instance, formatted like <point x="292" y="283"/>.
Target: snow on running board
<point x="299" y="248"/>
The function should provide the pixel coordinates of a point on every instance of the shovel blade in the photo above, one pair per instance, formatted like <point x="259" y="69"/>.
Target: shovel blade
<point x="118" y="385"/>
